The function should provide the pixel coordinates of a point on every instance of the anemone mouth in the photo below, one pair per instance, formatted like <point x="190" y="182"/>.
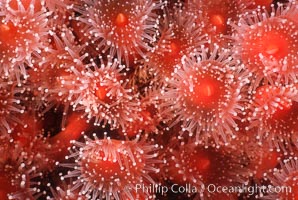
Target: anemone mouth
<point x="8" y="32"/>
<point x="215" y="16"/>
<point x="218" y="20"/>
<point x="101" y="93"/>
<point x="286" y="109"/>
<point x="174" y="48"/>
<point x="121" y="20"/>
<point x="206" y="92"/>
<point x="95" y="161"/>
<point x="275" y="44"/>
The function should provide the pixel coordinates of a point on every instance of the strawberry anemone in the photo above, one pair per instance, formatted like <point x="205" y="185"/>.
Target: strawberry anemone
<point x="267" y="44"/>
<point x="15" y="172"/>
<point x="54" y="77"/>
<point x="274" y="114"/>
<point x="104" y="96"/>
<point x="214" y="15"/>
<point x="200" y="166"/>
<point x="179" y="36"/>
<point x="284" y="179"/>
<point x="205" y="94"/>
<point x="121" y="28"/>
<point x="108" y="168"/>
<point x="23" y="34"/>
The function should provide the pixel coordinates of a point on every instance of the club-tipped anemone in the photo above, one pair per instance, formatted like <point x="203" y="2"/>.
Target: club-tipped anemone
<point x="267" y="44"/>
<point x="108" y="168"/>
<point x="205" y="95"/>
<point x="123" y="29"/>
<point x="284" y="180"/>
<point x="23" y="35"/>
<point x="179" y="35"/>
<point x="274" y="114"/>
<point x="103" y="94"/>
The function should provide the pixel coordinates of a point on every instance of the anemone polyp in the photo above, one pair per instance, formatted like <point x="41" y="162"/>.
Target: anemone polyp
<point x="147" y="118"/>
<point x="205" y="94"/>
<point x="286" y="179"/>
<point x="59" y="64"/>
<point x="15" y="172"/>
<point x="262" y="157"/>
<point x="274" y="114"/>
<point x="22" y="33"/>
<point x="54" y="77"/>
<point x="214" y="15"/>
<point x="10" y="188"/>
<point x="108" y="168"/>
<point x="104" y="97"/>
<point x="267" y="44"/>
<point x="179" y="36"/>
<point x="125" y="28"/>
<point x="200" y="166"/>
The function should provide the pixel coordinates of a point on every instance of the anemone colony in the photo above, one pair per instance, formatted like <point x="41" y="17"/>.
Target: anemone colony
<point x="100" y="96"/>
